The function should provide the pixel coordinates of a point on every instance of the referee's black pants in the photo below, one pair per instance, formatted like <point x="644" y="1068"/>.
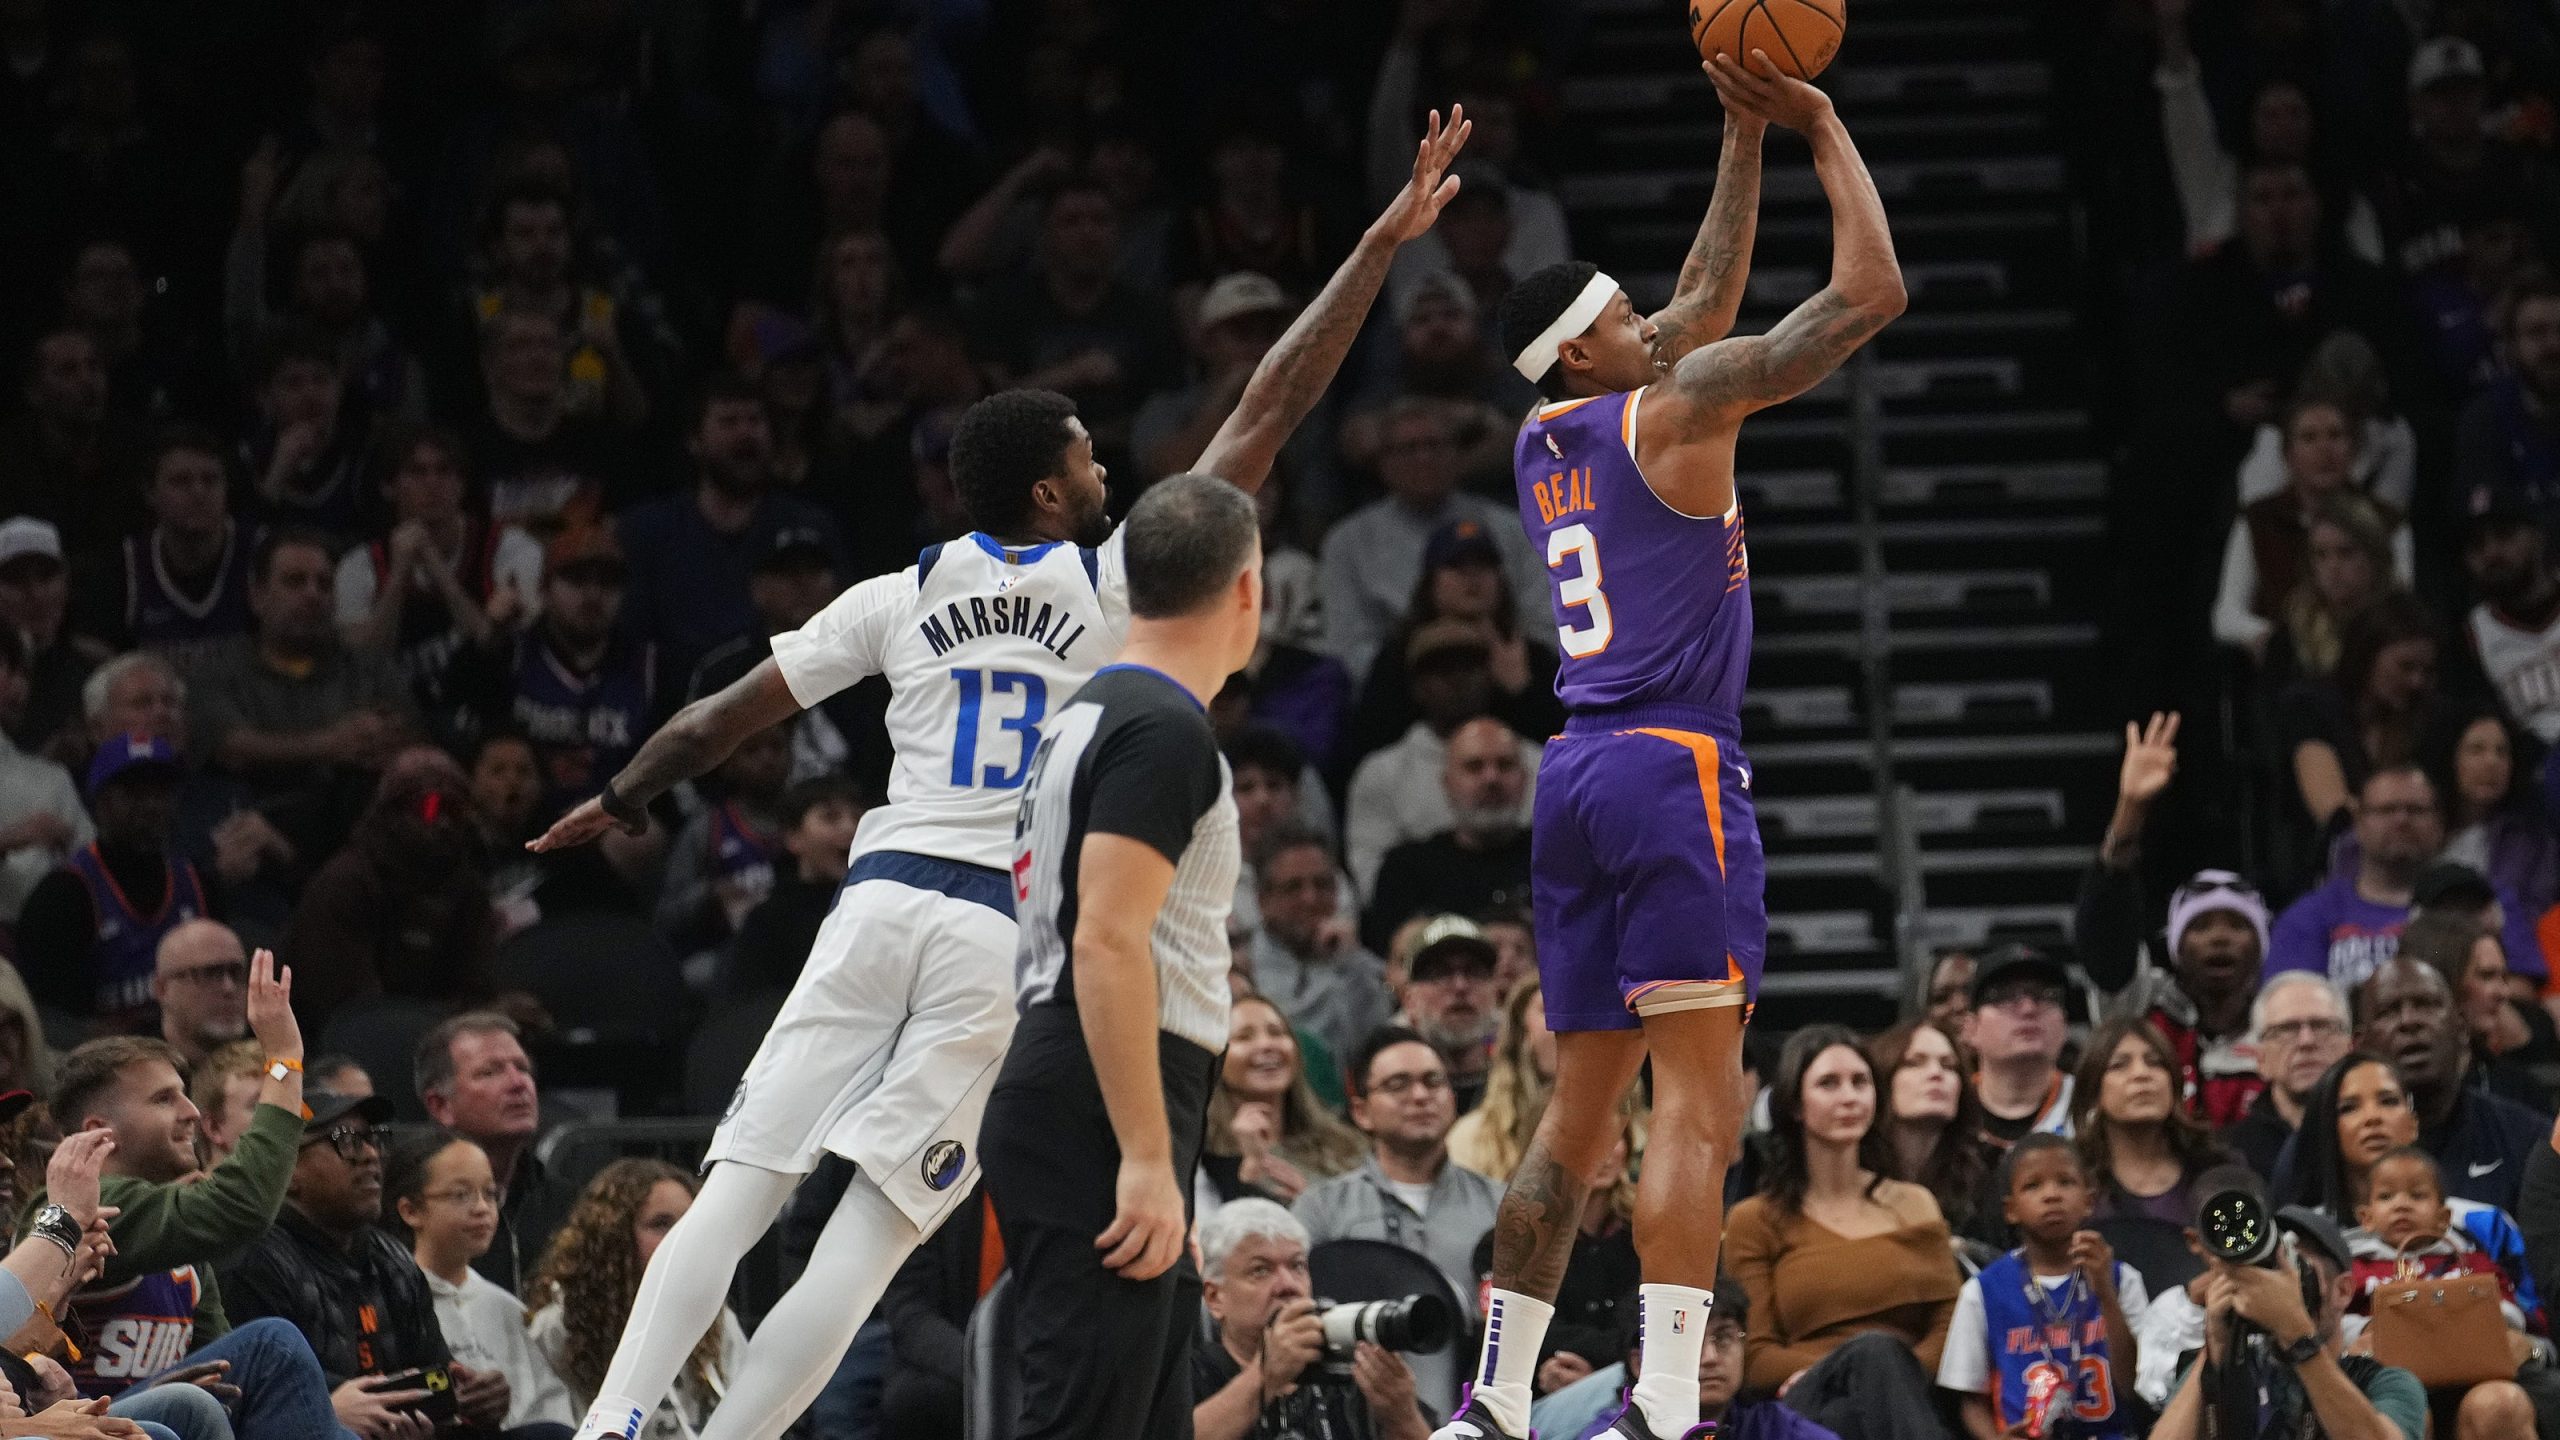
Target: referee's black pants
<point x="1100" y="1356"/>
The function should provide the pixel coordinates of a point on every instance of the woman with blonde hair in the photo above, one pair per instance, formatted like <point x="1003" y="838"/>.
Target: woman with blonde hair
<point x="1489" y="1138"/>
<point x="2347" y="566"/>
<point x="583" y="1293"/>
<point x="1268" y="1133"/>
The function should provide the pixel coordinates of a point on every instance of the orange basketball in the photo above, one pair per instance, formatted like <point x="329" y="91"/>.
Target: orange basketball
<point x="1801" y="36"/>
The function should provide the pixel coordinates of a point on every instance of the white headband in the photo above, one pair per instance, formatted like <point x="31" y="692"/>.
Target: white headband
<point x="1539" y="356"/>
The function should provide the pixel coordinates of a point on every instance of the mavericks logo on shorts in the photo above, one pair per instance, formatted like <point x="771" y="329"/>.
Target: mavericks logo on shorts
<point x="943" y="1162"/>
<point x="737" y="1098"/>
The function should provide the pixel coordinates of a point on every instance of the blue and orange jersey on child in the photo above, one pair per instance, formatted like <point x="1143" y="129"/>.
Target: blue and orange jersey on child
<point x="2051" y="1339"/>
<point x="1652" y="607"/>
<point x="2483" y="1240"/>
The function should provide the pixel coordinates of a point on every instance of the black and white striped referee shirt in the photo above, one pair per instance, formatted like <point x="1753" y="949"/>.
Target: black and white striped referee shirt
<point x="1132" y="754"/>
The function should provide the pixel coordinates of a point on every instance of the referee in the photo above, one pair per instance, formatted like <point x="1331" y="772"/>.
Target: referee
<point x="1125" y="860"/>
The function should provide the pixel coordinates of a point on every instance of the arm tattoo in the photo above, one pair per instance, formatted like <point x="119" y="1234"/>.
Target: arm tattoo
<point x="1533" y="1232"/>
<point x="1293" y="376"/>
<point x="1794" y="357"/>
<point x="1709" y="293"/>
<point x="703" y="733"/>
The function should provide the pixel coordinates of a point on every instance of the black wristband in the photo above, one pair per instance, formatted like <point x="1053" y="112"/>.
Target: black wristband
<point x="629" y="815"/>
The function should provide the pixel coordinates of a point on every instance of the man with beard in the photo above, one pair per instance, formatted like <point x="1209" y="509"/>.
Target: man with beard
<point x="579" y="689"/>
<point x="1333" y="990"/>
<point x="2507" y="443"/>
<point x="2515" y="629"/>
<point x="2299" y="1026"/>
<point x="1400" y="793"/>
<point x="1408" y="1193"/>
<point x="1449" y="999"/>
<point x="2480" y="1141"/>
<point x="693" y="555"/>
<point x="1482" y="860"/>
<point x="2348" y="927"/>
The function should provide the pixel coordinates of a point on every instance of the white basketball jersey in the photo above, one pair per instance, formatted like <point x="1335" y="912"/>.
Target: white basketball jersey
<point x="2524" y="665"/>
<point x="979" y="644"/>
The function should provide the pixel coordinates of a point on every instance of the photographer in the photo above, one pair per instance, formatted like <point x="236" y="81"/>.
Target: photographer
<point x="1265" y="1373"/>
<point x="2301" y="1364"/>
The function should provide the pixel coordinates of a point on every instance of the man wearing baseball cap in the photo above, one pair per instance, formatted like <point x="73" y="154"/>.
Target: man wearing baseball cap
<point x="100" y="918"/>
<point x="2016" y="1028"/>
<point x="583" y="692"/>
<point x="35" y="601"/>
<point x="1240" y="318"/>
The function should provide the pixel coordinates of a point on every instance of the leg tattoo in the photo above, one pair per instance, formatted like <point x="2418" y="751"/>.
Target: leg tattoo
<point x="1533" y="1232"/>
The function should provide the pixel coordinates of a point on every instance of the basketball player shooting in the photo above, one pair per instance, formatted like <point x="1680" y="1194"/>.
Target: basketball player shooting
<point x="1647" y="869"/>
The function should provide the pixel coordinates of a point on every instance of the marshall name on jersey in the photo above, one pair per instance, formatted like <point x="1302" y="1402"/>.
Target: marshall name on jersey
<point x="979" y="642"/>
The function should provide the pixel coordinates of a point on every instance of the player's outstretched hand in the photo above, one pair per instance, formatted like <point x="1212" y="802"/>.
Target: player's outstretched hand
<point x="1420" y="201"/>
<point x="581" y="825"/>
<point x="1147" y="1230"/>
<point x="1756" y="86"/>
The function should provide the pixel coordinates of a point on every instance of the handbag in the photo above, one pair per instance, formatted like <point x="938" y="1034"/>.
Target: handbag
<point x="2449" y="1331"/>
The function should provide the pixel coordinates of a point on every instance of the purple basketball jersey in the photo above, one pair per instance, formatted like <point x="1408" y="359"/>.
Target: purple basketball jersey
<point x="1652" y="606"/>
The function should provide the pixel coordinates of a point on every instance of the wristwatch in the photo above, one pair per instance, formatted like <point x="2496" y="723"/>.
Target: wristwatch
<point x="2300" y="1352"/>
<point x="279" y="1067"/>
<point x="54" y="1223"/>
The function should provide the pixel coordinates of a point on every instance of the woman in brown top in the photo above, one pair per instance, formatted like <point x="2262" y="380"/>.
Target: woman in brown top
<point x="1850" y="1275"/>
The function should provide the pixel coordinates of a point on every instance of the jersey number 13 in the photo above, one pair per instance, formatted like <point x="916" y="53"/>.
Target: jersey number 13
<point x="975" y="688"/>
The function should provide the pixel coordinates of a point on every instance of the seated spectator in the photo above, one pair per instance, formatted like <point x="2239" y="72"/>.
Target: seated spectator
<point x="1600" y="1278"/>
<point x="68" y="456"/>
<point x="41" y="819"/>
<point x="2330" y="1394"/>
<point x="2506" y="446"/>
<point x="475" y="1080"/>
<point x="1274" y="786"/>
<point x="2482" y="1141"/>
<point x="2448" y="885"/>
<point x="1401" y="793"/>
<point x="304" y="464"/>
<point x="1949" y="997"/>
<point x="1304" y="959"/>
<point x="2345" y="369"/>
<point x="1073" y="325"/>
<point x="1290" y="684"/>
<point x="2463" y="304"/>
<point x="1449" y="1000"/>
<point x="1462" y="580"/>
<point x="818" y="820"/>
<point x="436" y="584"/>
<point x="2141" y="1147"/>
<point x="723" y="862"/>
<point x="303" y="723"/>
<point x="1720" y="1401"/>
<point x="548" y="467"/>
<point x="200" y="982"/>
<point x="404" y="908"/>
<point x="224" y="1087"/>
<point x="1482" y="860"/>
<point x="2268" y="554"/>
<point x="2456" y="164"/>
<point x="1239" y="319"/>
<point x="2216" y="941"/>
<point x="582" y="1294"/>
<point x="1259" y="1371"/>
<point x="843" y="734"/>
<point x="534" y="265"/>
<point x="1933" y="1120"/>
<point x="1490" y="1138"/>
<point x="183" y="583"/>
<point x="93" y="927"/>
<point x="1513" y="934"/>
<point x="329" y="294"/>
<point x="340" y="1075"/>
<point x="327" y="1269"/>
<point x="2016" y="1032"/>
<point x="35" y="603"/>
<point x="1442" y="355"/>
<point x="2358" y="1113"/>
<point x="2366" y="717"/>
<point x="2350" y="926"/>
<point x="1408" y="1193"/>
<point x="1268" y="1134"/>
<point x="2504" y="1040"/>
<point x="174" y="1219"/>
<point x="1851" y="1281"/>
<point x="2405" y="1212"/>
<point x="2061" y="1275"/>
<point x="2347" y="569"/>
<point x="1373" y="558"/>
<point x="2493" y="821"/>
<point x="2299" y="1026"/>
<point x="579" y="688"/>
<point x="2515" y="629"/>
<point x="692" y="552"/>
<point x="445" y="1199"/>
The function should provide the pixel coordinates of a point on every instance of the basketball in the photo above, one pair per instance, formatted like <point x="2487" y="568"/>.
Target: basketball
<point x="1801" y="36"/>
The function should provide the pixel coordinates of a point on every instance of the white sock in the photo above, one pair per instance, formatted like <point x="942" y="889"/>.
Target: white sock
<point x="682" y="1291"/>
<point x="796" y="1349"/>
<point x="1514" y="1324"/>
<point x="1674" y="1318"/>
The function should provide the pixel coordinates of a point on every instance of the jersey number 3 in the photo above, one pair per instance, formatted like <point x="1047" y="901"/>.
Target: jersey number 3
<point x="1581" y="588"/>
<point x="975" y="686"/>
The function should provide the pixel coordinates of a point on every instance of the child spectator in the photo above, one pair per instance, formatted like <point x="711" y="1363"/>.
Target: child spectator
<point x="445" y="1197"/>
<point x="818" y="820"/>
<point x="2406" y="1214"/>
<point x="2045" y="1330"/>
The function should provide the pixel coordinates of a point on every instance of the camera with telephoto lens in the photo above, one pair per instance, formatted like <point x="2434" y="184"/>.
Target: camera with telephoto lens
<point x="2237" y="1228"/>
<point x="1415" y="1325"/>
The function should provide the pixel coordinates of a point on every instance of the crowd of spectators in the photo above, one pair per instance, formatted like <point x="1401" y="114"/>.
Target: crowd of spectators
<point x="416" y="408"/>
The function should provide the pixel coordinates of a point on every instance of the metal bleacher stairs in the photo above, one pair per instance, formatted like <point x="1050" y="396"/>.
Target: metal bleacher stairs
<point x="1927" y="721"/>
